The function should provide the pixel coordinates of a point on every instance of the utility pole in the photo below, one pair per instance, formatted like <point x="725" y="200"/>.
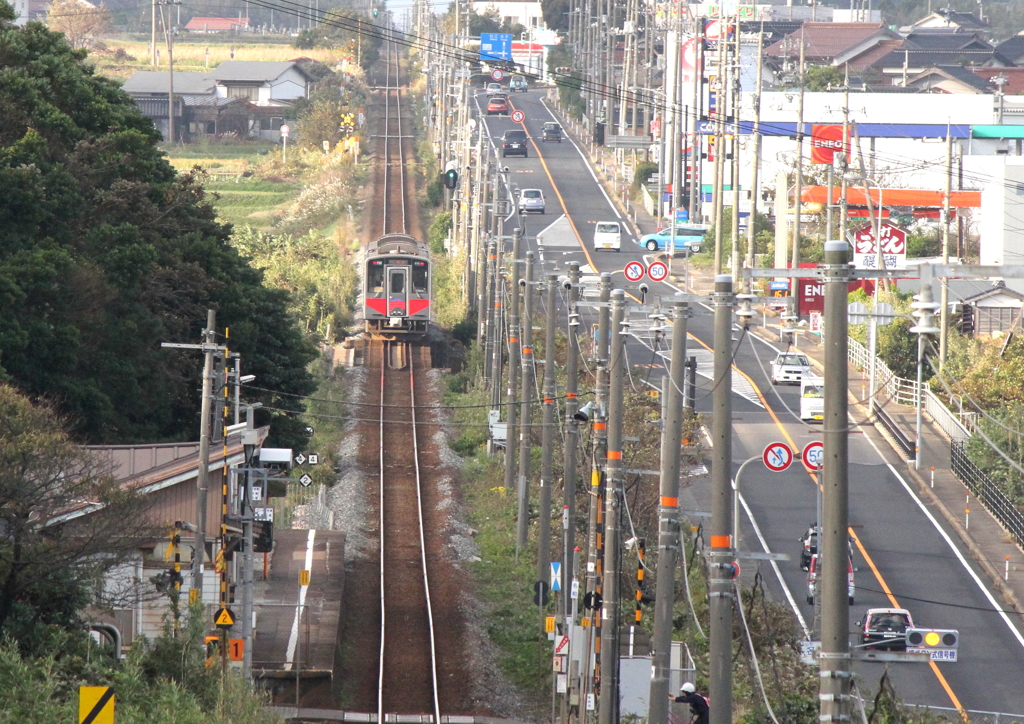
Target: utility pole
<point x="513" y="367"/>
<point x="734" y="107"/>
<point x="597" y="473"/>
<point x="722" y="546"/>
<point x="152" y="37"/>
<point x="608" y="706"/>
<point x="797" y="201"/>
<point x="718" y="182"/>
<point x="547" y="436"/>
<point x="833" y="541"/>
<point x="525" y="409"/>
<point x="668" y="533"/>
<point x="572" y="438"/>
<point x="944" y="282"/>
<point x="756" y="164"/>
<point x="487" y="317"/>
<point x="250" y="439"/>
<point x="169" y="36"/>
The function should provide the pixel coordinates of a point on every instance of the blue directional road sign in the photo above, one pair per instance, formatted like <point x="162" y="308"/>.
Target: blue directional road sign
<point x="495" y="46"/>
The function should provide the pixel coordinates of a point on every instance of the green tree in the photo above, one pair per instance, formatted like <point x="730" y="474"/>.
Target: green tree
<point x="107" y="251"/>
<point x="823" y="78"/>
<point x="764" y="234"/>
<point x="48" y="566"/>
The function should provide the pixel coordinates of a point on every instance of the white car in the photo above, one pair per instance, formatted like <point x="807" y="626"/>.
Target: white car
<point x="790" y="367"/>
<point x="812" y="399"/>
<point x="494" y="89"/>
<point x="608" y="235"/>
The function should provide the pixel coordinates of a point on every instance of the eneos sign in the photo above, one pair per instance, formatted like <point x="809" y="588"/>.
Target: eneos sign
<point x="826" y="142"/>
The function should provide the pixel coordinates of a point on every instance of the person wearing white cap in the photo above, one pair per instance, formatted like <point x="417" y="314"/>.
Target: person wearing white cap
<point x="698" y="704"/>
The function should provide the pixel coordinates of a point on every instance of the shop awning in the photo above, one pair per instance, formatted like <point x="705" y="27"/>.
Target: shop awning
<point x="919" y="198"/>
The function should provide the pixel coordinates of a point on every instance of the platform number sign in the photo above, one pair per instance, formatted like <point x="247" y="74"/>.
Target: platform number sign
<point x="814" y="455"/>
<point x="634" y="271"/>
<point x="777" y="456"/>
<point x="518" y="116"/>
<point x="658" y="271"/>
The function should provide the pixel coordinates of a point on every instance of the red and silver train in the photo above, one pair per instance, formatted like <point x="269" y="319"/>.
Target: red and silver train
<point x="396" y="286"/>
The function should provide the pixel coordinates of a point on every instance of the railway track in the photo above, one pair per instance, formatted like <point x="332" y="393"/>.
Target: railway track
<point x="395" y="219"/>
<point x="408" y="662"/>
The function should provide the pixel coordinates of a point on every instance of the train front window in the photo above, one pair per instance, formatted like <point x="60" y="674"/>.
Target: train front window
<point x="419" y="278"/>
<point x="375" y="277"/>
<point x="397" y="283"/>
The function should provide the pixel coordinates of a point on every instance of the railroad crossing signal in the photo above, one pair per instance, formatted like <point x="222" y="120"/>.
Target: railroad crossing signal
<point x="777" y="456"/>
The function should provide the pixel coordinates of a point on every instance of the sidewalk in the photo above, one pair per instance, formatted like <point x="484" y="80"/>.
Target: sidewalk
<point x="986" y="541"/>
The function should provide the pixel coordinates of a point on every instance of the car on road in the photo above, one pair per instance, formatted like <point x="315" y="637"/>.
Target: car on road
<point x="812" y="399"/>
<point x="885" y="628"/>
<point x="531" y="200"/>
<point x="513" y="143"/>
<point x="493" y="88"/>
<point x="552" y="132"/>
<point x="517" y="83"/>
<point x="790" y="367"/>
<point x="812" y="579"/>
<point x="608" y="235"/>
<point x="497" y="106"/>
<point x="688" y="238"/>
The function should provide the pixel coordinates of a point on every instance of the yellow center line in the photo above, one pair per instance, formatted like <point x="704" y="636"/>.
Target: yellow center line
<point x="860" y="546"/>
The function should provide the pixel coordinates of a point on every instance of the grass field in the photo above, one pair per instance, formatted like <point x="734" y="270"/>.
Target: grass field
<point x="191" y="55"/>
<point x="254" y="203"/>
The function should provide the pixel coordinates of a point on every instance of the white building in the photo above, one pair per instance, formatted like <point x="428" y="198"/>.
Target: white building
<point x="527" y="13"/>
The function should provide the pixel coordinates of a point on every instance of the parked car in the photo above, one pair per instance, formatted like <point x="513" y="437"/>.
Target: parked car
<point x="497" y="106"/>
<point x="513" y="143"/>
<point x="531" y="200"/>
<point x="552" y="132"/>
<point x="688" y="238"/>
<point x="812" y="579"/>
<point x="790" y="367"/>
<point x="885" y="628"/>
<point x="812" y="399"/>
<point x="517" y="83"/>
<point x="493" y="88"/>
<point x="608" y="235"/>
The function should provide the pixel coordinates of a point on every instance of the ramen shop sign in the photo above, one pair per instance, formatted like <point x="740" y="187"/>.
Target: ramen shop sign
<point x="865" y="247"/>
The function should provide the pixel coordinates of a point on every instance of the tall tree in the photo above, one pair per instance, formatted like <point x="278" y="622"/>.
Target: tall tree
<point x="106" y="251"/>
<point x="81" y="23"/>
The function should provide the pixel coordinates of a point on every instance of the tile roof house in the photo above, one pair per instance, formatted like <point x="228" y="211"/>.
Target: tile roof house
<point x="1014" y="78"/>
<point x="898" y="66"/>
<point x="949" y="79"/>
<point x="1012" y="49"/>
<point x="823" y="42"/>
<point x="946" y="18"/>
<point x="946" y="39"/>
<point x="216" y="25"/>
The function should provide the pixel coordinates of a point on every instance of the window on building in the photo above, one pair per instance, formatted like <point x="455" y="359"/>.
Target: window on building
<point x="248" y="92"/>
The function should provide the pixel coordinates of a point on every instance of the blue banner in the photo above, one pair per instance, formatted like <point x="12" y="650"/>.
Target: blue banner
<point x="495" y="46"/>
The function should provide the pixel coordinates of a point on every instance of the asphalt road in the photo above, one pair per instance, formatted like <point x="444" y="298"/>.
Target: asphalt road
<point x="904" y="557"/>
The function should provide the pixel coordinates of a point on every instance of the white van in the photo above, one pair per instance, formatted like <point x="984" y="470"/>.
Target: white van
<point x="812" y="399"/>
<point x="608" y="235"/>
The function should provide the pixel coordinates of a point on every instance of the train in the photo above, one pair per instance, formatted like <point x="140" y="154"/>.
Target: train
<point x="397" y="287"/>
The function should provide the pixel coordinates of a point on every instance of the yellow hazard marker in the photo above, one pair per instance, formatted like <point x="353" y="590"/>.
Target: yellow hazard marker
<point x="303" y="578"/>
<point x="95" y="705"/>
<point x="549" y="624"/>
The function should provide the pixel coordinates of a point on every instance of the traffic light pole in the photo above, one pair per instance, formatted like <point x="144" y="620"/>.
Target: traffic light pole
<point x="668" y="534"/>
<point x="834" y="658"/>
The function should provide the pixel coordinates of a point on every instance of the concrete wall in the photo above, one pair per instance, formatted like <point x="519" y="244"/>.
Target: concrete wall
<point x="1002" y="198"/>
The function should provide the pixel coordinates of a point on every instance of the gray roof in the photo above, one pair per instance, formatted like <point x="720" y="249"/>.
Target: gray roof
<point x="1012" y="48"/>
<point x="957" y="72"/>
<point x="155" y="81"/>
<point x="932" y="58"/>
<point x="252" y="71"/>
<point x="925" y="40"/>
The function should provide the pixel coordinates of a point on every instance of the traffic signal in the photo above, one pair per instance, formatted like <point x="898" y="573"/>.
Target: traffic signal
<point x="263" y="541"/>
<point x="933" y="639"/>
<point x="451" y="178"/>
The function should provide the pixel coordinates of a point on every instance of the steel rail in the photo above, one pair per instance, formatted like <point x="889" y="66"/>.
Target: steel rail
<point x="383" y="610"/>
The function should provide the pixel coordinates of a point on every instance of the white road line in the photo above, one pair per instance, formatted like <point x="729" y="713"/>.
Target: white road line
<point x="949" y="541"/>
<point x="541" y="233"/>
<point x="293" y="637"/>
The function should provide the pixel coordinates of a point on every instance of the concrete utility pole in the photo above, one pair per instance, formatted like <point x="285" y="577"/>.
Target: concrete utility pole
<point x="488" y="316"/>
<point x="547" y="446"/>
<point x="202" y="480"/>
<point x="718" y="182"/>
<point x="734" y="107"/>
<point x="756" y="162"/>
<point x="944" y="282"/>
<point x="722" y="545"/>
<point x="249" y="440"/>
<point x="572" y="438"/>
<point x="668" y="532"/>
<point x="525" y="409"/>
<point x="608" y="706"/>
<point x="833" y="541"/>
<point x="797" y="201"/>
<point x="511" y="390"/>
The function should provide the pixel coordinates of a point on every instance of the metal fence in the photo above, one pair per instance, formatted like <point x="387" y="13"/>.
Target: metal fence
<point x="898" y="389"/>
<point x="987" y="492"/>
<point x="901" y="438"/>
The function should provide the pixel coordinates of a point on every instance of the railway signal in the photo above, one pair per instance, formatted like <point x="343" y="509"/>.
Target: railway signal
<point x="451" y="178"/>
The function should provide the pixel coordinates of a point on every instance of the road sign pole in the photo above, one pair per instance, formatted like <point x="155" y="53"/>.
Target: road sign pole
<point x="833" y="529"/>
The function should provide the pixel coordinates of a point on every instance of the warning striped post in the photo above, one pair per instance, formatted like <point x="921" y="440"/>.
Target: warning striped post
<point x="641" y="555"/>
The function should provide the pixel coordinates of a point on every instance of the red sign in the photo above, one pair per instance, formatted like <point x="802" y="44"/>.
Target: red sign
<point x="777" y="456"/>
<point x="657" y="271"/>
<point x="518" y="116"/>
<point x="826" y="142"/>
<point x="894" y="239"/>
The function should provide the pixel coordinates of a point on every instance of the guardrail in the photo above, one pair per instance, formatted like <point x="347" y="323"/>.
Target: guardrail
<point x="990" y="495"/>
<point x="905" y="443"/>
